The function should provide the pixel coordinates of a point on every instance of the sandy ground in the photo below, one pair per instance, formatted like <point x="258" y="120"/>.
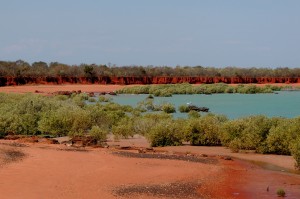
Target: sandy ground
<point x="83" y="87"/>
<point x="57" y="171"/>
<point x="65" y="87"/>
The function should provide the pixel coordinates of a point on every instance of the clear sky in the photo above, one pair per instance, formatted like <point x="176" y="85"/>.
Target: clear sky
<point x="245" y="33"/>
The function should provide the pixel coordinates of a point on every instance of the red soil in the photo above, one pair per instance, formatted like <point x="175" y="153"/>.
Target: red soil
<point x="53" y="171"/>
<point x="48" y="89"/>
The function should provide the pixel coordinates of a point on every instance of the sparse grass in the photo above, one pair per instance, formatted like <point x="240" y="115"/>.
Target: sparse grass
<point x="91" y="99"/>
<point x="280" y="193"/>
<point x="11" y="155"/>
<point x="170" y="190"/>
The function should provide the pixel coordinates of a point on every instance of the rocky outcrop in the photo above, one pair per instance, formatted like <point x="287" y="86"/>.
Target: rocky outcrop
<point x="13" y="81"/>
<point x="198" y="109"/>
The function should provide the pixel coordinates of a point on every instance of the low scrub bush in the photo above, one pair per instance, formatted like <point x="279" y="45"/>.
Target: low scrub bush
<point x="282" y="135"/>
<point x="124" y="128"/>
<point x="143" y="124"/>
<point x="166" y="133"/>
<point x="184" y="109"/>
<point x="168" y="108"/>
<point x="91" y="99"/>
<point x="102" y="98"/>
<point x="203" y="131"/>
<point x="193" y="114"/>
<point x="280" y="193"/>
<point x="248" y="133"/>
<point x="168" y="90"/>
<point x="98" y="133"/>
<point x="295" y="151"/>
<point x="147" y="104"/>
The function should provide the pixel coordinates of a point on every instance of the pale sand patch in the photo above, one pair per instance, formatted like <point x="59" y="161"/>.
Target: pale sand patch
<point x="47" y="89"/>
<point x="65" y="87"/>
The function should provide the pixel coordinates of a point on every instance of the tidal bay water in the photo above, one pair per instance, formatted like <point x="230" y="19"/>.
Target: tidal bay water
<point x="283" y="104"/>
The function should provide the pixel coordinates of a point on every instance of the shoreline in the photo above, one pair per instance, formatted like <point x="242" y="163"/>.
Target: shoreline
<point x="96" y="88"/>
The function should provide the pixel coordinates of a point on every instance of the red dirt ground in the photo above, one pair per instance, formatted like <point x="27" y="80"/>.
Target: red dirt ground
<point x="66" y="87"/>
<point x="55" y="171"/>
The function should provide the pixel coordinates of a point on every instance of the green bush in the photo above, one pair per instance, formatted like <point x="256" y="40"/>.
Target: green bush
<point x="150" y="97"/>
<point x="2" y="135"/>
<point x="124" y="128"/>
<point x="295" y="151"/>
<point x="248" y="133"/>
<point x="167" y="133"/>
<point x="91" y="99"/>
<point x="98" y="133"/>
<point x="168" y="90"/>
<point x="282" y="135"/>
<point x="67" y="120"/>
<point x="147" y="104"/>
<point x="280" y="193"/>
<point x="184" y="109"/>
<point x="143" y="124"/>
<point x="102" y="98"/>
<point x="168" y="108"/>
<point x="193" y="114"/>
<point x="203" y="131"/>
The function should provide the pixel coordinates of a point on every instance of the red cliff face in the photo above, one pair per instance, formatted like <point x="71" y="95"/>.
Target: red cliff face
<point x="12" y="81"/>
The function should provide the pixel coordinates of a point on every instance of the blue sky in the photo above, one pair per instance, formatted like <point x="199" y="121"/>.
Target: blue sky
<point x="245" y="33"/>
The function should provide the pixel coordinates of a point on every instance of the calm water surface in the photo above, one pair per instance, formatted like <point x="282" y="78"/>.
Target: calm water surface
<point x="284" y="104"/>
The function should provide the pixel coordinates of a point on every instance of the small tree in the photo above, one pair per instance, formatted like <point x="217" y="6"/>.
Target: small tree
<point x="98" y="133"/>
<point x="168" y="108"/>
<point x="89" y="71"/>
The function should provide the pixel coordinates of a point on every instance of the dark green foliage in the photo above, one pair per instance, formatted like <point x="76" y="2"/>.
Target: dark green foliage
<point x="2" y="134"/>
<point x="150" y="97"/>
<point x="89" y="70"/>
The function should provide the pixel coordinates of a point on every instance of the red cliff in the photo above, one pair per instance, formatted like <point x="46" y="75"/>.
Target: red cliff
<point x="9" y="81"/>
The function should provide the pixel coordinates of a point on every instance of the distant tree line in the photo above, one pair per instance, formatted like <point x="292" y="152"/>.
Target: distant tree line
<point x="43" y="69"/>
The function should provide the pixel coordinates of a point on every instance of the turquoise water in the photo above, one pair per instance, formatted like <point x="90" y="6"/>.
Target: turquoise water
<point x="283" y="104"/>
